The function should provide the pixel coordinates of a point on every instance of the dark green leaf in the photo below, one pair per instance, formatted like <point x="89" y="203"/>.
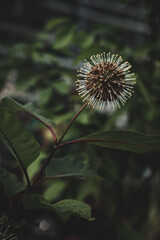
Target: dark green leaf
<point x="75" y="207"/>
<point x="70" y="166"/>
<point x="28" y="108"/>
<point x="123" y="140"/>
<point x="36" y="201"/>
<point x="10" y="182"/>
<point x="67" y="206"/>
<point x="17" y="138"/>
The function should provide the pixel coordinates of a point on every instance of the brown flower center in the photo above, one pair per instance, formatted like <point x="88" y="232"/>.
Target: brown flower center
<point x="105" y="81"/>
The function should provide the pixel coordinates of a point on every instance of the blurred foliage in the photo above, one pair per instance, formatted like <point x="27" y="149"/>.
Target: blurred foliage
<point x="43" y="69"/>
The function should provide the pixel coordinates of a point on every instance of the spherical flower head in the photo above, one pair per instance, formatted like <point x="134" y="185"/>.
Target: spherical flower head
<point x="105" y="81"/>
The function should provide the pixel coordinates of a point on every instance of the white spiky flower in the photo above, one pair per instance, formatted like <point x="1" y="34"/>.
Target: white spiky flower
<point x="105" y="81"/>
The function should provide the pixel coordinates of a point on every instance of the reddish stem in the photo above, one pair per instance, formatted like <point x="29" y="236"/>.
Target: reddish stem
<point x="50" y="129"/>
<point x="71" y="122"/>
<point x="57" y="147"/>
<point x="44" y="179"/>
<point x="53" y="133"/>
<point x="68" y="143"/>
<point x="96" y="140"/>
<point x="44" y="166"/>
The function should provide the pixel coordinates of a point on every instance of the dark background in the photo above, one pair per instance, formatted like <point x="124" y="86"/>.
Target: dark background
<point x="42" y="43"/>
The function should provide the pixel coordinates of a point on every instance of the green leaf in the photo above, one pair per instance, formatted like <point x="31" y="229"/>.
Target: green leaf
<point x="70" y="166"/>
<point x="124" y="140"/>
<point x="54" y="191"/>
<point x="44" y="58"/>
<point x="67" y="206"/>
<point x="36" y="201"/>
<point x="10" y="182"/>
<point x="85" y="40"/>
<point x="64" y="38"/>
<point x="89" y="188"/>
<point x="35" y="166"/>
<point x="75" y="207"/>
<point x="55" y="22"/>
<point x="28" y="108"/>
<point x="17" y="138"/>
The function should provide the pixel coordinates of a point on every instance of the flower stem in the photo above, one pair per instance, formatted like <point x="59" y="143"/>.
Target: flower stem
<point x="71" y="122"/>
<point x="57" y="145"/>
<point x="44" y="165"/>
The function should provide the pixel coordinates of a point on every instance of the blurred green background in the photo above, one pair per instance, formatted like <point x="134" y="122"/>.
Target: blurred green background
<point x="42" y="44"/>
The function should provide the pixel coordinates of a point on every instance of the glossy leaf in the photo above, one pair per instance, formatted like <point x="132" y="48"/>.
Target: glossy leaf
<point x="28" y="108"/>
<point x="70" y="166"/>
<point x="10" y="182"/>
<point x="123" y="140"/>
<point x="67" y="206"/>
<point x="17" y="138"/>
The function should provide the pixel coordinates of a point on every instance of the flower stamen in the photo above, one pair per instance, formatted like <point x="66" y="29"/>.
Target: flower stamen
<point x="105" y="81"/>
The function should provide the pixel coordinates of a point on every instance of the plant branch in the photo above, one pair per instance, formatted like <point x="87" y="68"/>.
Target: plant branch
<point x="49" y="127"/>
<point x="96" y="140"/>
<point x="52" y="132"/>
<point x="44" y="166"/>
<point x="57" y="145"/>
<point x="44" y="179"/>
<point x="73" y="142"/>
<point x="71" y="122"/>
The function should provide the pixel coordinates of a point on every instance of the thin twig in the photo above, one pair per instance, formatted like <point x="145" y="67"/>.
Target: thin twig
<point x="43" y="179"/>
<point x="57" y="146"/>
<point x="71" y="122"/>
<point x="98" y="141"/>
<point x="49" y="127"/>
<point x="44" y="166"/>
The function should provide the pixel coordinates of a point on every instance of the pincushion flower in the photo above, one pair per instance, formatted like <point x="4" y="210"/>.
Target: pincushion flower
<point x="105" y="81"/>
<point x="5" y="234"/>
